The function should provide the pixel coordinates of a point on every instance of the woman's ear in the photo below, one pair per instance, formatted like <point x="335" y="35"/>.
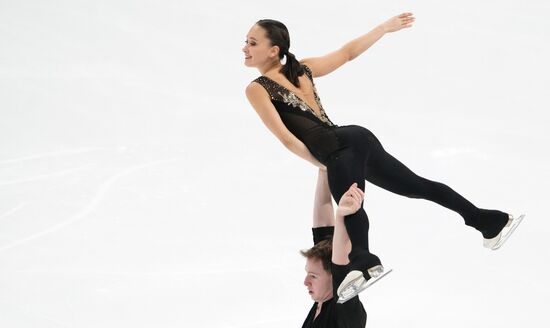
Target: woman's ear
<point x="274" y="51"/>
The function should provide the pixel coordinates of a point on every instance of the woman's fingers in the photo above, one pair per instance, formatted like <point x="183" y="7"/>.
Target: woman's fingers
<point x="406" y="19"/>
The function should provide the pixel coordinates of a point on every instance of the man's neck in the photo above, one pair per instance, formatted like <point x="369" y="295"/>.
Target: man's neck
<point x="320" y="303"/>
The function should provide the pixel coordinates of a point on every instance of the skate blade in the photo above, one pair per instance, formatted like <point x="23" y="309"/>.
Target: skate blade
<point x="358" y="285"/>
<point x="515" y="224"/>
<point x="498" y="241"/>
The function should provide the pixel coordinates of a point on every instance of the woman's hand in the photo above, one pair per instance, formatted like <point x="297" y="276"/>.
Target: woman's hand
<point x="396" y="23"/>
<point x="350" y="201"/>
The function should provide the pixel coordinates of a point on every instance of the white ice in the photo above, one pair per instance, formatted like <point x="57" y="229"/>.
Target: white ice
<point x="138" y="188"/>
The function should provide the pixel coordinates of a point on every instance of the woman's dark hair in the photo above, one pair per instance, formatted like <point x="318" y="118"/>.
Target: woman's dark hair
<point x="277" y="33"/>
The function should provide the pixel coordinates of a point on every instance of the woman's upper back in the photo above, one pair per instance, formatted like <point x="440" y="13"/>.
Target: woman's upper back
<point x="284" y="96"/>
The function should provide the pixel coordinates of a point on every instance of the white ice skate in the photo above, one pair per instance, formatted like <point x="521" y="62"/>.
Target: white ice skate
<point x="496" y="242"/>
<point x="355" y="282"/>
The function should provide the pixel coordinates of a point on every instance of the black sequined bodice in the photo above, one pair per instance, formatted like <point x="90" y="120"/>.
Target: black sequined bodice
<point x="315" y="131"/>
<point x="281" y="95"/>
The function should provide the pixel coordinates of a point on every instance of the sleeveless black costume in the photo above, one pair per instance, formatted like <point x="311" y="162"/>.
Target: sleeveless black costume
<point x="353" y="154"/>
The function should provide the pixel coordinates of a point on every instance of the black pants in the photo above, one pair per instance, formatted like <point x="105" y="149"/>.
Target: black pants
<point x="361" y="157"/>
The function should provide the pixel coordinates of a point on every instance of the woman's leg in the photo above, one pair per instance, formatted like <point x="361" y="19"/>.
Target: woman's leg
<point x="387" y="172"/>
<point x="342" y="172"/>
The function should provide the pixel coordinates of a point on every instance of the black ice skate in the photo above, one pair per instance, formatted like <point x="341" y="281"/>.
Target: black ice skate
<point x="496" y="242"/>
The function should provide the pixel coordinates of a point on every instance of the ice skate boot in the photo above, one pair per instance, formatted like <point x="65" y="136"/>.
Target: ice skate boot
<point x="355" y="282"/>
<point x="496" y="242"/>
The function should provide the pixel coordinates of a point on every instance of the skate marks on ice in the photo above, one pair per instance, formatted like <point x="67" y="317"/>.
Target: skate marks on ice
<point x="53" y="155"/>
<point x="58" y="154"/>
<point x="100" y="194"/>
<point x="46" y="176"/>
<point x="13" y="210"/>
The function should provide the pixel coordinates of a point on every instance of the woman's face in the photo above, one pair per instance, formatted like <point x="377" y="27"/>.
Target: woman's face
<point x="258" y="49"/>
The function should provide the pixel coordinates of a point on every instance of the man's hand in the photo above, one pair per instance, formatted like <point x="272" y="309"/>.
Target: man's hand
<point x="396" y="23"/>
<point x="350" y="201"/>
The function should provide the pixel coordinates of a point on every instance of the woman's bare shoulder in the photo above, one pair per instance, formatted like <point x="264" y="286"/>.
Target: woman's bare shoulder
<point x="254" y="87"/>
<point x="255" y="90"/>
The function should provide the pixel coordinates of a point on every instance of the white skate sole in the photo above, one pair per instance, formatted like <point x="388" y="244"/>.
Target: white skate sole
<point x="496" y="242"/>
<point x="355" y="282"/>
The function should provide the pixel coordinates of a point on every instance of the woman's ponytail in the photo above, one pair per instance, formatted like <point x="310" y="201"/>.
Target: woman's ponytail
<point x="292" y="69"/>
<point x="277" y="33"/>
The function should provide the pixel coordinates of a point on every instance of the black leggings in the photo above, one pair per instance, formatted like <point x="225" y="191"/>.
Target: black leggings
<point x="362" y="157"/>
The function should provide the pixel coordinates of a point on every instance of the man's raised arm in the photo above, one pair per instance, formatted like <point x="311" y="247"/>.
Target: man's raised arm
<point x="349" y="204"/>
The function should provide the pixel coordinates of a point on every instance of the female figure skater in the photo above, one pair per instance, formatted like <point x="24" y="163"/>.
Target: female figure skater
<point x="286" y="100"/>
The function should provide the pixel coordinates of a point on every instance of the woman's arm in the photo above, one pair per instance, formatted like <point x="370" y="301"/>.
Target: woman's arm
<point x="259" y="99"/>
<point x="349" y="204"/>
<point x="323" y="212"/>
<point x="326" y="64"/>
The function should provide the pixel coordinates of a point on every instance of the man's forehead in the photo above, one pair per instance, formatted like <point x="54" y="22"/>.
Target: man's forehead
<point x="313" y="265"/>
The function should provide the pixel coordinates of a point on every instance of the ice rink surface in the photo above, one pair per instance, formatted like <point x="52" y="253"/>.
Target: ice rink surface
<point x="138" y="188"/>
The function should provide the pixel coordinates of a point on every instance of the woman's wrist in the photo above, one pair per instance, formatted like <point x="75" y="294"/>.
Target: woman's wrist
<point x="382" y="28"/>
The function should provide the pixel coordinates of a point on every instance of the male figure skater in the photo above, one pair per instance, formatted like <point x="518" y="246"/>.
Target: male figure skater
<point x="327" y="261"/>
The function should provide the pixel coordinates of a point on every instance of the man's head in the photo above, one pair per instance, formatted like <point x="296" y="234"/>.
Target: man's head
<point x="318" y="275"/>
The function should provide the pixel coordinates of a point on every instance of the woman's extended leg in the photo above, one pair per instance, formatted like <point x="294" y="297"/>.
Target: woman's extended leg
<point x="387" y="172"/>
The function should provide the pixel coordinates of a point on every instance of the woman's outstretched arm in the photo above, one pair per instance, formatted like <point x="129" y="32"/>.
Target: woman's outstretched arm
<point x="326" y="64"/>
<point x="259" y="99"/>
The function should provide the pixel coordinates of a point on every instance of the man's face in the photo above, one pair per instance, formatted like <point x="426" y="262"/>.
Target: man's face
<point x="318" y="281"/>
